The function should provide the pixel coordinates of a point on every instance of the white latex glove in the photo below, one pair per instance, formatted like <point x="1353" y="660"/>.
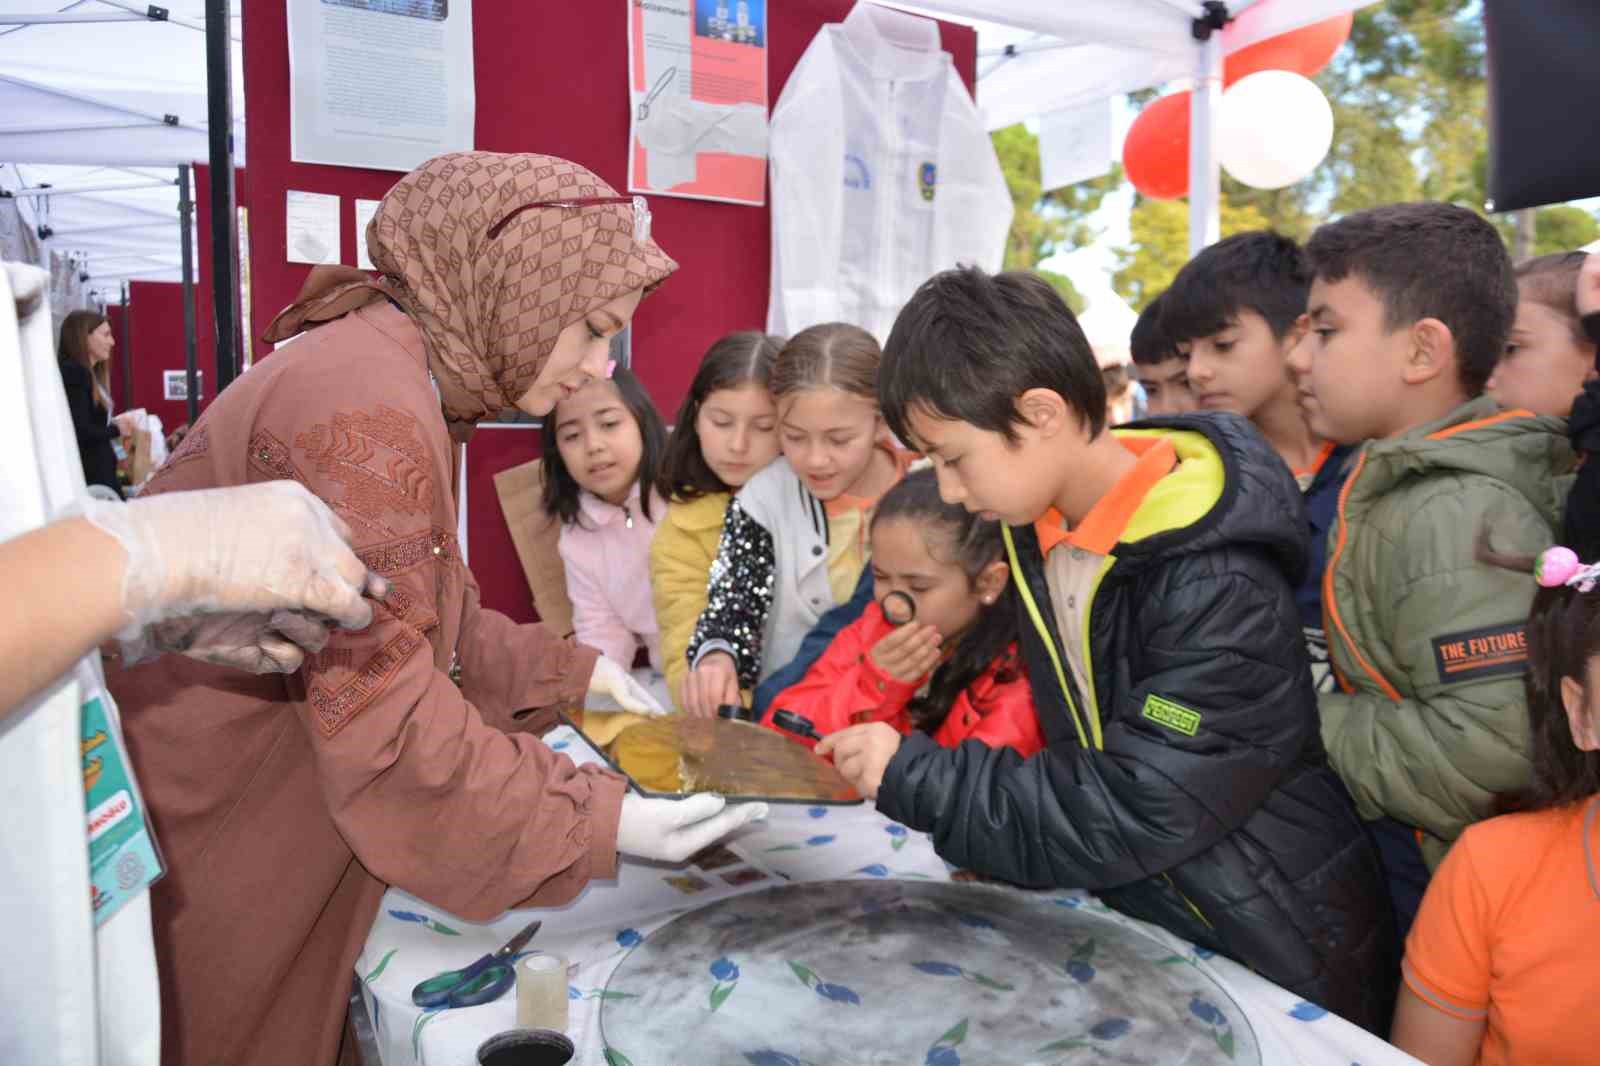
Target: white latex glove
<point x="264" y="566"/>
<point x="669" y="830"/>
<point x="610" y="679"/>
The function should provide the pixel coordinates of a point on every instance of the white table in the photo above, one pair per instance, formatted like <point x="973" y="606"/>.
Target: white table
<point x="411" y="940"/>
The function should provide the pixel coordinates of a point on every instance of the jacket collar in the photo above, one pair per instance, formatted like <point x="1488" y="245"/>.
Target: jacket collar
<point x="600" y="513"/>
<point x="894" y="46"/>
<point x="702" y="513"/>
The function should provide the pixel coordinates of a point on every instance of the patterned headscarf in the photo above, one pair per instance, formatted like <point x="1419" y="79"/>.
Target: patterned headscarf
<point x="489" y="309"/>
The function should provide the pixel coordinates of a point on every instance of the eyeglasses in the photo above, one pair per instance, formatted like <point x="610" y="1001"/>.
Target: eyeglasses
<point x="641" y="212"/>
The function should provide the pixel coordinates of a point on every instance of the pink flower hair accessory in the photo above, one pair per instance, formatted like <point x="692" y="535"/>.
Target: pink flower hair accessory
<point x="1560" y="566"/>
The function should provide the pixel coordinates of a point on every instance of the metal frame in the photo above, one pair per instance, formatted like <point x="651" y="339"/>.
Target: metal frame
<point x="186" y="213"/>
<point x="224" y="219"/>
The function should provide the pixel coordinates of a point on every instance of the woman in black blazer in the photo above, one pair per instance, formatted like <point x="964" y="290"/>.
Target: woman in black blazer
<point x="85" y="355"/>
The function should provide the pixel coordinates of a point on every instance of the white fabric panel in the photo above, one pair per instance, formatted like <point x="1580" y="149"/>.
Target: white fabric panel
<point x="1108" y="47"/>
<point x="871" y="105"/>
<point x="69" y="996"/>
<point x="110" y="74"/>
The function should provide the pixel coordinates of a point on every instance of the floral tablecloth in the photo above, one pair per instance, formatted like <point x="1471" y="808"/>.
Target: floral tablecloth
<point x="411" y="940"/>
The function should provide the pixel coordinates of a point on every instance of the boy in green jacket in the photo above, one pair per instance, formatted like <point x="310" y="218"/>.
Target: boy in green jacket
<point x="1409" y="311"/>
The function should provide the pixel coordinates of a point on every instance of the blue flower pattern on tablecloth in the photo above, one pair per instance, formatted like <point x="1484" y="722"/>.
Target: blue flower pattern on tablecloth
<point x="629" y="938"/>
<point x="943" y="1052"/>
<point x="817" y="812"/>
<point x="826" y="989"/>
<point x="809" y="842"/>
<point x="423" y="920"/>
<point x="877" y="869"/>
<point x="935" y="968"/>
<point x="898" y="833"/>
<point x="1103" y="1031"/>
<point x="1212" y="1016"/>
<point x="1307" y="1012"/>
<point x="1080" y="967"/>
<point x="725" y="972"/>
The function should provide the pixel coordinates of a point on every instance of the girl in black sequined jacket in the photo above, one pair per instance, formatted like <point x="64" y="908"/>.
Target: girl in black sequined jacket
<point x="794" y="540"/>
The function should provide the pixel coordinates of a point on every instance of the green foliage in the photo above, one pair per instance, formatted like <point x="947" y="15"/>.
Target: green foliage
<point x="1160" y="245"/>
<point x="1069" y="292"/>
<point x="1044" y="222"/>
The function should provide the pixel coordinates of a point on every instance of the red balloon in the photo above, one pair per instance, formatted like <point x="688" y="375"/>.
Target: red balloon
<point x="1156" y="152"/>
<point x="1304" y="51"/>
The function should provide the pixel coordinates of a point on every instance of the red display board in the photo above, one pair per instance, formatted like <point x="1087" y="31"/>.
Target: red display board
<point x="550" y="78"/>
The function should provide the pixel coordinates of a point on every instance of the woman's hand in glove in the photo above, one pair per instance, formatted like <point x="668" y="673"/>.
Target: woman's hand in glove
<point x="669" y="830"/>
<point x="611" y="680"/>
<point x="236" y="575"/>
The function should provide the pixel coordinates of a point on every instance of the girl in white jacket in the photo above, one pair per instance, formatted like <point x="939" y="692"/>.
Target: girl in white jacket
<point x="794" y="539"/>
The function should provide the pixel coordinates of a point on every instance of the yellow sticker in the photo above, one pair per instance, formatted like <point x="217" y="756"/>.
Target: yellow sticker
<point x="1174" y="716"/>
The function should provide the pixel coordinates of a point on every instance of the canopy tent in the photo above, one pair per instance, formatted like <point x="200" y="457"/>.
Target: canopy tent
<point x="1097" y="49"/>
<point x="119" y="223"/>
<point x="98" y="96"/>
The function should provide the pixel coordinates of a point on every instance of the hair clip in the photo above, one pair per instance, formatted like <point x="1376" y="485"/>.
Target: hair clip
<point x="1560" y="566"/>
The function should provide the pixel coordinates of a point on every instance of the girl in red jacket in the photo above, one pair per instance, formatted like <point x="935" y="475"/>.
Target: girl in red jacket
<point x="939" y="573"/>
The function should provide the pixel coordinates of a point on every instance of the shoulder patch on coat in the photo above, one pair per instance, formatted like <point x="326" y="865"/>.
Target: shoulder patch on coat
<point x="378" y="459"/>
<point x="1174" y="716"/>
<point x="1492" y="651"/>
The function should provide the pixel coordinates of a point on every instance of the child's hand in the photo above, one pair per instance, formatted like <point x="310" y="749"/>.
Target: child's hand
<point x="1589" y="285"/>
<point x="861" y="754"/>
<point x="711" y="684"/>
<point x="908" y="653"/>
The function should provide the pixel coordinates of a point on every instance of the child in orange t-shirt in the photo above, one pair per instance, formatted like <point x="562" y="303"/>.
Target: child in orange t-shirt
<point x="1501" y="964"/>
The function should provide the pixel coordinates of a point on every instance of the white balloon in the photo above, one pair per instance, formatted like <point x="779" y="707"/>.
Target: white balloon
<point x="1274" y="127"/>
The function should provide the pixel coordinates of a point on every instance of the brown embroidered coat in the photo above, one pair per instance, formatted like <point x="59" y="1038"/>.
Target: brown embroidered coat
<point x="285" y="806"/>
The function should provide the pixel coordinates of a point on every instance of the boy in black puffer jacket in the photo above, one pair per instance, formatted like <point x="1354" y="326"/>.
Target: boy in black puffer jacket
<point x="1183" y="778"/>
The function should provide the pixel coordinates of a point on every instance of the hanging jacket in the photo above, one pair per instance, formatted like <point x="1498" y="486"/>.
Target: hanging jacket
<point x="882" y="175"/>
<point x="1426" y="640"/>
<point x="681" y="554"/>
<point x="606" y="556"/>
<point x="1188" y="785"/>
<point x="845" y="688"/>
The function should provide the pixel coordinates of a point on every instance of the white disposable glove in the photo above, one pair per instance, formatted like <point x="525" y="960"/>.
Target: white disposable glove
<point x="236" y="575"/>
<point x="610" y="679"/>
<point x="669" y="830"/>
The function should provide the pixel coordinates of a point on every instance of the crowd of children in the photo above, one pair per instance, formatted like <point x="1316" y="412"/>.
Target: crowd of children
<point x="1247" y="668"/>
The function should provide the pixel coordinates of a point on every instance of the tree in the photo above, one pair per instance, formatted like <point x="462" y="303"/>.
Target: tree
<point x="1069" y="292"/>
<point x="1563" y="228"/>
<point x="1044" y="223"/>
<point x="1159" y="246"/>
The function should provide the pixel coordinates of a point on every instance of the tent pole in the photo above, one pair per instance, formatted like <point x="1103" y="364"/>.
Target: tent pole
<point x="127" y="353"/>
<point x="186" y="224"/>
<point x="1205" y="179"/>
<point x="224" y="219"/>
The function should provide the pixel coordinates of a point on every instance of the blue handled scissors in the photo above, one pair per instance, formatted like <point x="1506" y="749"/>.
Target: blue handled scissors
<point x="483" y="982"/>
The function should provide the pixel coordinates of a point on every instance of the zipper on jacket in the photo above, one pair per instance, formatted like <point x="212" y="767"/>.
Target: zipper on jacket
<point x="1188" y="902"/>
<point x="1330" y="605"/>
<point x="1088" y="657"/>
<point x="1044" y="634"/>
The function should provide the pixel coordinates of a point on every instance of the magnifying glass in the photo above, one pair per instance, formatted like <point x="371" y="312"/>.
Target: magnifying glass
<point x="898" y="608"/>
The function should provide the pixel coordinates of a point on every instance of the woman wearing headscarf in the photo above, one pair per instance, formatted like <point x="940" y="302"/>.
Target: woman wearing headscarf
<point x="404" y="754"/>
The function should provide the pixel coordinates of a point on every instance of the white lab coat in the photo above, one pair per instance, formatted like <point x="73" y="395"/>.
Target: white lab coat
<point x="857" y="221"/>
<point x="69" y="995"/>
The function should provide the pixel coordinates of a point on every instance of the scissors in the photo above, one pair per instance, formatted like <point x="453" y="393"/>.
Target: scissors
<point x="482" y="982"/>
